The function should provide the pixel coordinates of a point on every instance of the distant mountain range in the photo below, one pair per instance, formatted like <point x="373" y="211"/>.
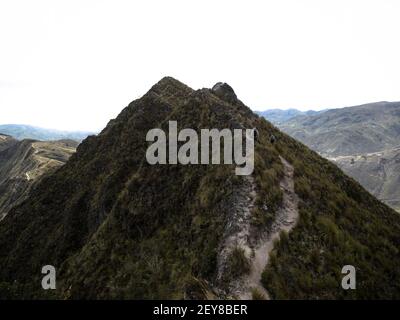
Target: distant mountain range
<point x="117" y="227"/>
<point x="361" y="129"/>
<point x="21" y="131"/>
<point x="363" y="140"/>
<point x="279" y="116"/>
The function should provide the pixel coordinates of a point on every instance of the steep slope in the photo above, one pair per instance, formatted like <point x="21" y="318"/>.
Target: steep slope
<point x="378" y="172"/>
<point x="24" y="163"/>
<point x="22" y="131"/>
<point x="353" y="130"/>
<point x="116" y="227"/>
<point x="6" y="141"/>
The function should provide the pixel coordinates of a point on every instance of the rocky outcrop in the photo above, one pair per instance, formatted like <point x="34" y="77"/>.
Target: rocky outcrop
<point x="224" y="91"/>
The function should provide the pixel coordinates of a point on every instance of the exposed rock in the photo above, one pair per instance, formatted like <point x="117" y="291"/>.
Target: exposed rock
<point x="224" y="91"/>
<point x="256" y="247"/>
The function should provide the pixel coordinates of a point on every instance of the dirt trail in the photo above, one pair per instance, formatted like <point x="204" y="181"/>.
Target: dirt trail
<point x="285" y="220"/>
<point x="238" y="234"/>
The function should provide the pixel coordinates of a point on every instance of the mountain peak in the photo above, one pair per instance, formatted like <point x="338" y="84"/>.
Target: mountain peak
<point x="116" y="226"/>
<point x="169" y="84"/>
<point x="169" y="80"/>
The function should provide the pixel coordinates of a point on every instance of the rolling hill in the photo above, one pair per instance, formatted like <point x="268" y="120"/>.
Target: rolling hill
<point x="361" y="129"/>
<point x="279" y="116"/>
<point x="363" y="140"/>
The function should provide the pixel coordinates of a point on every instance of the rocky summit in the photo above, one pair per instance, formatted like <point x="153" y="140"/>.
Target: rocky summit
<point x="115" y="227"/>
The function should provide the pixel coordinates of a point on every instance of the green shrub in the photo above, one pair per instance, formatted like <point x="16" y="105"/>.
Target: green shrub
<point x="238" y="263"/>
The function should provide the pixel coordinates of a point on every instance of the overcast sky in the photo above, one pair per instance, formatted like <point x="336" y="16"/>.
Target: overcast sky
<point x="76" y="64"/>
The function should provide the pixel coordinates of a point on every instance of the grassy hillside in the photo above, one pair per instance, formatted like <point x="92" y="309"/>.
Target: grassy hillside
<point x="6" y="141"/>
<point x="24" y="163"/>
<point x="116" y="227"/>
<point x="378" y="172"/>
<point x="362" y="140"/>
<point x="340" y="224"/>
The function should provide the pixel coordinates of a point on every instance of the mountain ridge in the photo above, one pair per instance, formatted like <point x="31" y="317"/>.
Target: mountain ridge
<point x="279" y="116"/>
<point x="351" y="130"/>
<point x="23" y="131"/>
<point x="23" y="164"/>
<point x="116" y="227"/>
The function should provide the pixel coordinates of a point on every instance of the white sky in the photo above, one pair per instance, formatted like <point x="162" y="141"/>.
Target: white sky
<point x="76" y="64"/>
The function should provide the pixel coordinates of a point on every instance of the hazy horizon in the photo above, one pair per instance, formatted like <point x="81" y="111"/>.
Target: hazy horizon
<point x="254" y="109"/>
<point x="74" y="65"/>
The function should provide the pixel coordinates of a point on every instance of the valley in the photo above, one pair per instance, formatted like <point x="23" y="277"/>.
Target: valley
<point x="362" y="140"/>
